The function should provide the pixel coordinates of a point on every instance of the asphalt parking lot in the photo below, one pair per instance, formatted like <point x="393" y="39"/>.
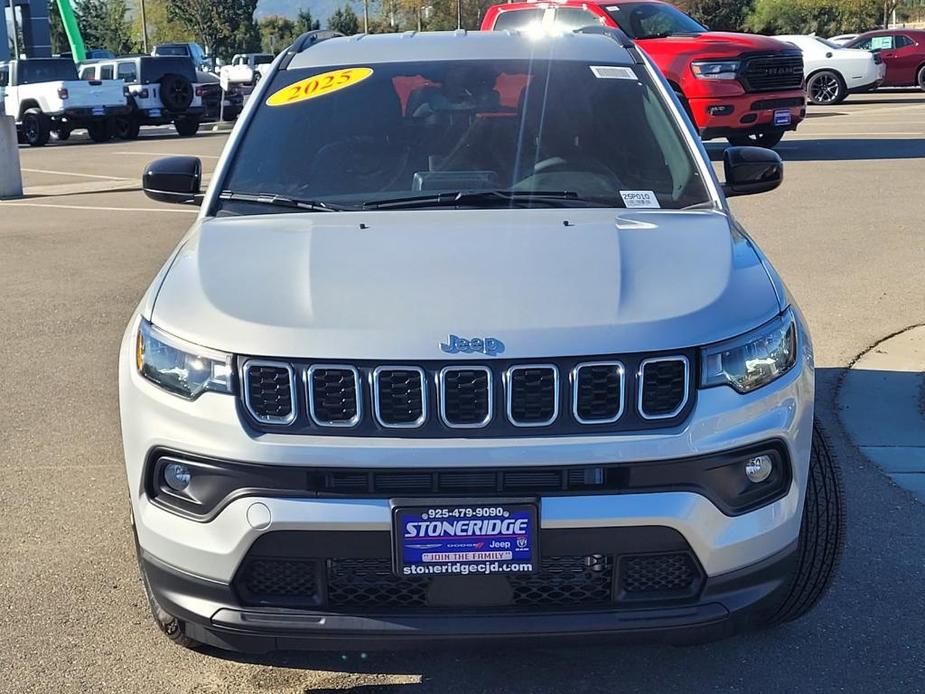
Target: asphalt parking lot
<point x="845" y="230"/>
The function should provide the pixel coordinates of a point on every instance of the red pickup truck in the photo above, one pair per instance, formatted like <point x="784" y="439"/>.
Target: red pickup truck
<point x="744" y="87"/>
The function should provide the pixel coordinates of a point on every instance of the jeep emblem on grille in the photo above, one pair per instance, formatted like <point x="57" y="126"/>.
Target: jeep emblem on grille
<point x="485" y="345"/>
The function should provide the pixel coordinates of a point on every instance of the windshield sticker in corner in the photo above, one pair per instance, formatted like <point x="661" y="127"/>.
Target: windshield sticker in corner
<point x="612" y="72"/>
<point x="639" y="198"/>
<point x="319" y="85"/>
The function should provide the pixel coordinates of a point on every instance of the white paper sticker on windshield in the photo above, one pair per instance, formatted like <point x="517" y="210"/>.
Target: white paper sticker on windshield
<point x="639" y="198"/>
<point x="612" y="72"/>
<point x="613" y="8"/>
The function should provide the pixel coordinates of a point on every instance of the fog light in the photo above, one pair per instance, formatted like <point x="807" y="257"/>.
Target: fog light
<point x="759" y="468"/>
<point x="177" y="476"/>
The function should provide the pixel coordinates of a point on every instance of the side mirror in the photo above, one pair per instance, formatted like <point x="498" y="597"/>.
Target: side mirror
<point x="174" y="179"/>
<point x="751" y="170"/>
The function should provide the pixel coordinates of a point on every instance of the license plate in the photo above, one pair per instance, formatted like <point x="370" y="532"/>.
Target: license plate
<point x="98" y="110"/>
<point x="466" y="539"/>
<point x="782" y="117"/>
<point x="226" y="103"/>
<point x="154" y="112"/>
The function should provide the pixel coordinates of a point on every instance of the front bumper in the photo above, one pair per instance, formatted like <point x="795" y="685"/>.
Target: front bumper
<point x="744" y="113"/>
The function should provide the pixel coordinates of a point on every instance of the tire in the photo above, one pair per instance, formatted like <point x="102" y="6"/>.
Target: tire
<point x="126" y="128"/>
<point x="920" y="78"/>
<point x="100" y="131"/>
<point x="821" y="537"/>
<point x="36" y="127"/>
<point x="186" y="127"/>
<point x="766" y="138"/>
<point x="170" y="626"/>
<point x="686" y="104"/>
<point x="826" y="88"/>
<point x="176" y="92"/>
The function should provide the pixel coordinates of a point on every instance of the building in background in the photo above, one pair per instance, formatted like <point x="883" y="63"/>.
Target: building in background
<point x="31" y="17"/>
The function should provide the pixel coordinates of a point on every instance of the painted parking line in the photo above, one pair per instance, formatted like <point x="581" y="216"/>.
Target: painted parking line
<point x="97" y="208"/>
<point x="74" y="173"/>
<point x="168" y="154"/>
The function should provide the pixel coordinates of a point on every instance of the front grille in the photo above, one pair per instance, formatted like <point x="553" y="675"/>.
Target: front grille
<point x="399" y="396"/>
<point x="566" y="582"/>
<point x="333" y="393"/>
<point x="437" y="399"/>
<point x="664" y="388"/>
<point x="465" y="396"/>
<point x="767" y="104"/>
<point x="768" y="73"/>
<point x="643" y="575"/>
<point x="278" y="581"/>
<point x="598" y="394"/>
<point x="533" y="395"/>
<point x="269" y="391"/>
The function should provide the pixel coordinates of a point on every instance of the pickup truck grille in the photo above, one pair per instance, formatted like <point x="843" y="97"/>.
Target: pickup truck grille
<point x="499" y="398"/>
<point x="770" y="73"/>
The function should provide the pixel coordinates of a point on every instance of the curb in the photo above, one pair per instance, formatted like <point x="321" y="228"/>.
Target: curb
<point x="881" y="404"/>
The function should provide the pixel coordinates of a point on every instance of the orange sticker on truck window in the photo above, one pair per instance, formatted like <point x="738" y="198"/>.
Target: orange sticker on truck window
<point x="319" y="85"/>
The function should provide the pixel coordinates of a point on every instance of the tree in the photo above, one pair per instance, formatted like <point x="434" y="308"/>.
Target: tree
<point x="218" y="25"/>
<point x="305" y="22"/>
<point x="276" y="33"/>
<point x="59" y="42"/>
<point x="345" y="21"/>
<point x="719" y="15"/>
<point x="162" y="28"/>
<point x="823" y="17"/>
<point x="105" y="24"/>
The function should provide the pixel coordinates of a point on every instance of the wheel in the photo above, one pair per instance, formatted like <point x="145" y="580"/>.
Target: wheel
<point x="63" y="134"/>
<point x="257" y="77"/>
<point x="687" y="107"/>
<point x="36" y="128"/>
<point x="765" y="138"/>
<point x="821" y="537"/>
<point x="826" y="88"/>
<point x="176" y="92"/>
<point x="127" y="128"/>
<point x="186" y="127"/>
<point x="100" y="131"/>
<point x="169" y="625"/>
<point x="920" y="78"/>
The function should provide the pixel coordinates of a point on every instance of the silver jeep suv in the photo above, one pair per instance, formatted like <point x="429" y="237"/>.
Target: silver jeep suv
<point x="466" y="344"/>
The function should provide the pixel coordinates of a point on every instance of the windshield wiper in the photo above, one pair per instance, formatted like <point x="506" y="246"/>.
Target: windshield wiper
<point x="461" y="198"/>
<point x="667" y="34"/>
<point x="283" y="201"/>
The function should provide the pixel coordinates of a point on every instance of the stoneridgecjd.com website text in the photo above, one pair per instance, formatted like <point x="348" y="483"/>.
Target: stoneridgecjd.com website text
<point x="463" y="568"/>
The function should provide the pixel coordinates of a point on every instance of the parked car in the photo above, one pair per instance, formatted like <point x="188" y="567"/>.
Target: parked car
<point x="744" y="87"/>
<point x="620" y="443"/>
<point x="161" y="90"/>
<point x="842" y="39"/>
<point x="45" y="95"/>
<point x="190" y="50"/>
<point x="216" y="104"/>
<point x="833" y="72"/>
<point x="903" y="51"/>
<point x="246" y="68"/>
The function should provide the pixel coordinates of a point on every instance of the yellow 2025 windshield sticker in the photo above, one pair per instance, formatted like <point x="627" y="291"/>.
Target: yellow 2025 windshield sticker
<point x="319" y="85"/>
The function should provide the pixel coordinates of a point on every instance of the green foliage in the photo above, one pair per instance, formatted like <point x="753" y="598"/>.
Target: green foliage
<point x="221" y="26"/>
<point x="719" y="15"/>
<point x="59" y="42"/>
<point x="823" y="17"/>
<point x="276" y="33"/>
<point x="305" y="22"/>
<point x="105" y="24"/>
<point x="161" y="27"/>
<point x="345" y="21"/>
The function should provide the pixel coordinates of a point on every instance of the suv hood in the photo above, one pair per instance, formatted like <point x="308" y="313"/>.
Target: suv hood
<point x="544" y="282"/>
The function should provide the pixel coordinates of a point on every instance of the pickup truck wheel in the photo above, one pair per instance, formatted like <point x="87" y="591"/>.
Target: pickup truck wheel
<point x="100" y="131"/>
<point x="826" y="88"/>
<point x="767" y="138"/>
<point x="821" y="538"/>
<point x="186" y="127"/>
<point x="127" y="128"/>
<point x="36" y="128"/>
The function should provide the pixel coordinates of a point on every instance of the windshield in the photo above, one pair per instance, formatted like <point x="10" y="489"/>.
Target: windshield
<point x="36" y="71"/>
<point x="365" y="135"/>
<point x="826" y="42"/>
<point x="650" y="20"/>
<point x="171" y="50"/>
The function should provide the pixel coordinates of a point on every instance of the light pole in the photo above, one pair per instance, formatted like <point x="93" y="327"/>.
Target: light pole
<point x="459" y="14"/>
<point x="144" y="29"/>
<point x="365" y="16"/>
<point x="15" y="31"/>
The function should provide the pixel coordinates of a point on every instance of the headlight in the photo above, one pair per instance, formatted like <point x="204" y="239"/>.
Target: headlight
<point x="180" y="367"/>
<point x="754" y="359"/>
<point x="715" y="69"/>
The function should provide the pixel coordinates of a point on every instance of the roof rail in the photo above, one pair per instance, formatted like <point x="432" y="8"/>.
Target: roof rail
<point x="306" y="40"/>
<point x="616" y="34"/>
